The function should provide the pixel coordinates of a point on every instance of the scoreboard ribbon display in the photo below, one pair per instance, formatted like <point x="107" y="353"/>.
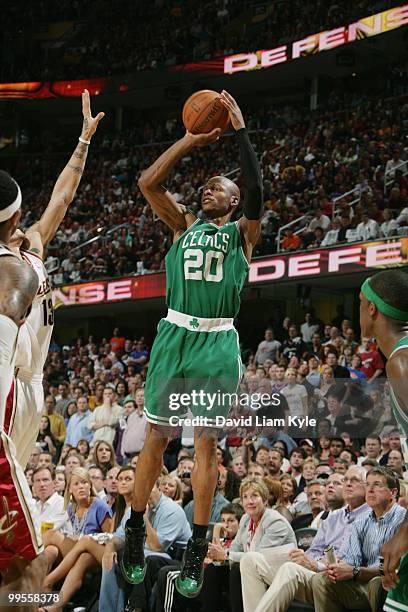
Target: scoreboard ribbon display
<point x="344" y="259"/>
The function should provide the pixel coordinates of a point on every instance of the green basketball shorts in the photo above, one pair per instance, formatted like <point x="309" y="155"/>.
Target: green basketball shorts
<point x="397" y="600"/>
<point x="195" y="365"/>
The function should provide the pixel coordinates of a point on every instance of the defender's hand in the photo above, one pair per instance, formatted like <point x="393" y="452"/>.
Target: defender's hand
<point x="201" y="140"/>
<point x="232" y="107"/>
<point x="90" y="123"/>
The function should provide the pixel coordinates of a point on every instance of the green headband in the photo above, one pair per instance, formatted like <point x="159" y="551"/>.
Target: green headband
<point x="389" y="311"/>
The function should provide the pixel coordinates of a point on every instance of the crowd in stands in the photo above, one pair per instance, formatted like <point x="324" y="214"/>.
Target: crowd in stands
<point x="123" y="36"/>
<point x="280" y="478"/>
<point x="308" y="159"/>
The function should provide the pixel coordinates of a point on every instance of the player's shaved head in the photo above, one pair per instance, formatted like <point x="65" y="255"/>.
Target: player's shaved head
<point x="19" y="285"/>
<point x="230" y="185"/>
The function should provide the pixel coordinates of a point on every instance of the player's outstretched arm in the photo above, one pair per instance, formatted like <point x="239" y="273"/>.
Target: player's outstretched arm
<point x="173" y="214"/>
<point x="250" y="223"/>
<point x="42" y="232"/>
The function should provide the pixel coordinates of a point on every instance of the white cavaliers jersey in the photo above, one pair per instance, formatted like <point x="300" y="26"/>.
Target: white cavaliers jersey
<point x="41" y="317"/>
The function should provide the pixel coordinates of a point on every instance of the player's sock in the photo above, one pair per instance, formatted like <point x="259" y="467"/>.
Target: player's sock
<point x="135" y="519"/>
<point x="199" y="532"/>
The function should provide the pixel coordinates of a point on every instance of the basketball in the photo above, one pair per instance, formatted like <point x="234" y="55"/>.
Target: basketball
<point x="203" y="112"/>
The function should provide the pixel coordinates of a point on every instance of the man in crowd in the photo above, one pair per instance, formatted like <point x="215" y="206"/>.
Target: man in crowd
<point x="396" y="464"/>
<point x="63" y="398"/>
<point x="98" y="480"/>
<point x="57" y="422"/>
<point x="293" y="579"/>
<point x="355" y="580"/>
<point x="332" y="360"/>
<point x="135" y="431"/>
<point x="45" y="460"/>
<point x="372" y="449"/>
<point x="105" y="418"/>
<point x="268" y="348"/>
<point x="372" y="362"/>
<point x="238" y="466"/>
<point x="78" y="424"/>
<point x="308" y="328"/>
<point x="49" y="504"/>
<point x="275" y="462"/>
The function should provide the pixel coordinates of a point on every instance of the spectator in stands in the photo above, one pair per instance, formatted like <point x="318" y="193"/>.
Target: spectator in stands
<point x="57" y="423"/>
<point x="355" y="580"/>
<point x="103" y="456"/>
<point x="117" y="341"/>
<point x="86" y="512"/>
<point x="111" y="486"/>
<point x="135" y="430"/>
<point x="294" y="345"/>
<point x="171" y="486"/>
<point x="105" y="418"/>
<point x="372" y="362"/>
<point x="275" y="463"/>
<point x="45" y="440"/>
<point x="166" y="525"/>
<point x="219" y="501"/>
<point x="239" y="467"/>
<point x="389" y="227"/>
<point x="63" y="398"/>
<point x="308" y="328"/>
<point x="372" y="449"/>
<point x="396" y="464"/>
<point x="291" y="241"/>
<point x="45" y="460"/>
<point x="83" y="448"/>
<point x="261" y="529"/>
<point x="78" y="424"/>
<point x="97" y="477"/>
<point x="268" y="349"/>
<point x="60" y="482"/>
<point x="295" y="395"/>
<point x="332" y="236"/>
<point x="332" y="360"/>
<point x="368" y="228"/>
<point x="293" y="579"/>
<point x="87" y="553"/>
<point x="49" y="505"/>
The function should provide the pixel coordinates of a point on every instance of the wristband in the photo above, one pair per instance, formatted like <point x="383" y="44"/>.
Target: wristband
<point x="87" y="142"/>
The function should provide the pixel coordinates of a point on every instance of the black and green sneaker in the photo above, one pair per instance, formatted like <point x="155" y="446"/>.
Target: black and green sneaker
<point x="133" y="564"/>
<point x="191" y="577"/>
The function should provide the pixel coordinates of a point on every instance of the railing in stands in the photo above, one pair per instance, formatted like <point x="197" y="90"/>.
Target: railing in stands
<point x="52" y="264"/>
<point x="389" y="174"/>
<point x="355" y="200"/>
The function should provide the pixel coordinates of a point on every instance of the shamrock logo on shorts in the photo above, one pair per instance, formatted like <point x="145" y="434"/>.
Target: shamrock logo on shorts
<point x="194" y="323"/>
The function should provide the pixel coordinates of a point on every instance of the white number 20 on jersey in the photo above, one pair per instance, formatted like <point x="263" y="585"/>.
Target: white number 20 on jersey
<point x="197" y="267"/>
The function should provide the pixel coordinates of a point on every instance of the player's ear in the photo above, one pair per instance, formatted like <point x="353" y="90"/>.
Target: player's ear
<point x="234" y="200"/>
<point x="372" y="309"/>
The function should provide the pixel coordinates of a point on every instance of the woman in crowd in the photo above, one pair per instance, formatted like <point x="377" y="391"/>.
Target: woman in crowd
<point x="83" y="448"/>
<point x="60" y="481"/>
<point x="103" y="456"/>
<point x="323" y="449"/>
<point x="289" y="492"/>
<point x="260" y="528"/>
<point x="320" y="394"/>
<point x="228" y="483"/>
<point x="45" y="439"/>
<point x="88" y="552"/>
<point x="87" y="514"/>
<point x="171" y="486"/>
<point x="69" y="411"/>
<point x="275" y="498"/>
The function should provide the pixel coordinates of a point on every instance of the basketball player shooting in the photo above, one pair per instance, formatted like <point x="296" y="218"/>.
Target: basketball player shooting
<point x="384" y="316"/>
<point x="206" y="269"/>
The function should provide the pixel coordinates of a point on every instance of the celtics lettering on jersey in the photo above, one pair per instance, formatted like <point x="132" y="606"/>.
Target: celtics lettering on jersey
<point x="206" y="270"/>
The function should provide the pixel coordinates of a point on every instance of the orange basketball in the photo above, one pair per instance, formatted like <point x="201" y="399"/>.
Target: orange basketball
<point x="203" y="112"/>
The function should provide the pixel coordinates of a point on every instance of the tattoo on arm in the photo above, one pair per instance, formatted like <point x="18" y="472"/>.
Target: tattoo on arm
<point x="78" y="154"/>
<point x="35" y="250"/>
<point x="76" y="169"/>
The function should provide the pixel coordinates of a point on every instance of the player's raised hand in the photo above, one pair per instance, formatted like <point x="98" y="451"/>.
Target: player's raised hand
<point x="90" y="123"/>
<point x="201" y="140"/>
<point x="232" y="107"/>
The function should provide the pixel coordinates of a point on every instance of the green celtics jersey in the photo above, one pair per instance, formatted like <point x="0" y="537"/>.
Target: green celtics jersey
<point x="399" y="414"/>
<point x="206" y="270"/>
